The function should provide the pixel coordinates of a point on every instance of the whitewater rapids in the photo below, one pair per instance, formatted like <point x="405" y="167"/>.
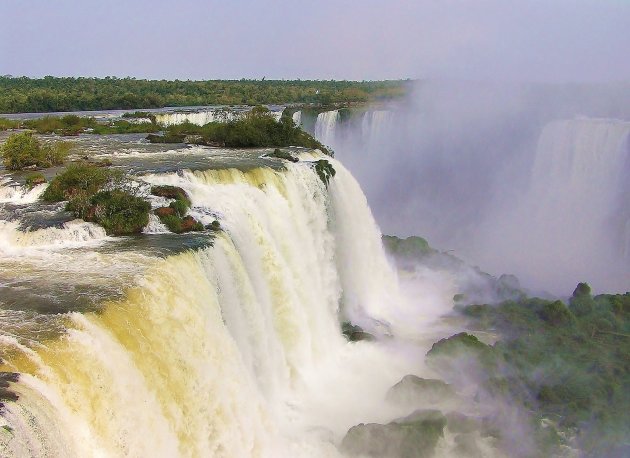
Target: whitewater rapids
<point x="233" y="350"/>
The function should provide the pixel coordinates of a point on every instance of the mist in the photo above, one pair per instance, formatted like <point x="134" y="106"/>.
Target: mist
<point x="516" y="178"/>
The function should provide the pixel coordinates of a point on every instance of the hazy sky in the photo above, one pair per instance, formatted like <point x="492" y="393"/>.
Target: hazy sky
<point x="541" y="40"/>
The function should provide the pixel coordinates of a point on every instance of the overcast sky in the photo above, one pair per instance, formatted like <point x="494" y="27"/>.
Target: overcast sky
<point x="533" y="40"/>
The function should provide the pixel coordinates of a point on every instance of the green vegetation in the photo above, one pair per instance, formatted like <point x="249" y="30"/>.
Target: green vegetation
<point x="411" y="247"/>
<point x="174" y="216"/>
<point x="566" y="363"/>
<point x="415" y="436"/>
<point x="74" y="94"/>
<point x="6" y="124"/>
<point x="324" y="170"/>
<point x="77" y="183"/>
<point x="33" y="179"/>
<point x="257" y="128"/>
<point x="23" y="150"/>
<point x="119" y="212"/>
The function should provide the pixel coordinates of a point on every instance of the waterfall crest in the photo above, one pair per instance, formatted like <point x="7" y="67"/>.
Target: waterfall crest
<point x="208" y="355"/>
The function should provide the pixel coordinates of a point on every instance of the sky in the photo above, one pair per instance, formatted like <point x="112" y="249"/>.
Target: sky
<point x="513" y="40"/>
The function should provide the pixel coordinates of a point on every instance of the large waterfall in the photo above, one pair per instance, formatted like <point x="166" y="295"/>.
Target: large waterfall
<point x="233" y="350"/>
<point x="572" y="221"/>
<point x="326" y="127"/>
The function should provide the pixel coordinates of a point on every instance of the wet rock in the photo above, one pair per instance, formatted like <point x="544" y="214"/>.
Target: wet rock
<point x="412" y="389"/>
<point x="415" y="436"/>
<point x="164" y="211"/>
<point x="460" y="423"/>
<point x="355" y="333"/>
<point x="170" y="192"/>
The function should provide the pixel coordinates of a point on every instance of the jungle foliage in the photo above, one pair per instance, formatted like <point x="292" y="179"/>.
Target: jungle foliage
<point x="50" y="94"/>
<point x="567" y="362"/>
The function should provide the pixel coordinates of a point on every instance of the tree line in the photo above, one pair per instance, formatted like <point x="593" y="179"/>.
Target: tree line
<point x="49" y="94"/>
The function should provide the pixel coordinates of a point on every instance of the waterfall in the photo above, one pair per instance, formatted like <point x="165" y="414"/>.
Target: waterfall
<point x="203" y="117"/>
<point x="375" y="125"/>
<point x="221" y="351"/>
<point x="326" y="126"/>
<point x="199" y="118"/>
<point x="297" y="118"/>
<point x="571" y="223"/>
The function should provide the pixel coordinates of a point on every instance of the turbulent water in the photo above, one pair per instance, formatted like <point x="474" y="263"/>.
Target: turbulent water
<point x="230" y="349"/>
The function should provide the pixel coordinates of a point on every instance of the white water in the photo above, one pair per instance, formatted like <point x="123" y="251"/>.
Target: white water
<point x="297" y="118"/>
<point x="231" y="351"/>
<point x="376" y="125"/>
<point x="570" y="222"/>
<point x="77" y="233"/>
<point x="326" y="127"/>
<point x="15" y="194"/>
<point x="203" y="117"/>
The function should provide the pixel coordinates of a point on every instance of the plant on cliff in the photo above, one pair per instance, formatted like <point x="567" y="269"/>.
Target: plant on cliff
<point x="324" y="170"/>
<point x="24" y="150"/>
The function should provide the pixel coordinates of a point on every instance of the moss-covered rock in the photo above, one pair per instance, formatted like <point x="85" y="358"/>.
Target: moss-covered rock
<point x="355" y="333"/>
<point x="413" y="389"/>
<point x="415" y="436"/>
<point x="462" y="353"/>
<point x="179" y="225"/>
<point x="170" y="192"/>
<point x="410" y="248"/>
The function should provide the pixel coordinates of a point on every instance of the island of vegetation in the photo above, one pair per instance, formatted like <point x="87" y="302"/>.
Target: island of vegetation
<point x="50" y="94"/>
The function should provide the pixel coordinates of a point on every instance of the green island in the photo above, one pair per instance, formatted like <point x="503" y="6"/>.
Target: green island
<point x="52" y="94"/>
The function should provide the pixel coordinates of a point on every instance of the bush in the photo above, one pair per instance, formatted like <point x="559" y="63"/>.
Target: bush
<point x="24" y="150"/>
<point x="33" y="179"/>
<point x="180" y="206"/>
<point x="78" y="181"/>
<point x="119" y="212"/>
<point x="324" y="170"/>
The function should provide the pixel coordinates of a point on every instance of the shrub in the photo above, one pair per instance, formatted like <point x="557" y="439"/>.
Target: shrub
<point x="324" y="170"/>
<point x="180" y="206"/>
<point x="119" y="212"/>
<point x="78" y="181"/>
<point x="24" y="150"/>
<point x="33" y="179"/>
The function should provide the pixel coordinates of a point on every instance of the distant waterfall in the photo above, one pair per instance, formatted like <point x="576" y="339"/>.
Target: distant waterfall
<point x="573" y="220"/>
<point x="326" y="127"/>
<point x="203" y="117"/>
<point x="297" y="118"/>
<point x="375" y="125"/>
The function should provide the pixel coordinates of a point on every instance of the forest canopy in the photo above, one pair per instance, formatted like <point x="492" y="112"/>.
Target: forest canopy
<point x="49" y="94"/>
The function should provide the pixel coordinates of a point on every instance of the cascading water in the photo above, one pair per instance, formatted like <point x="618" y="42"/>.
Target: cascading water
<point x="297" y="118"/>
<point x="574" y="214"/>
<point x="222" y="351"/>
<point x="375" y="125"/>
<point x="326" y="126"/>
<point x="203" y="117"/>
